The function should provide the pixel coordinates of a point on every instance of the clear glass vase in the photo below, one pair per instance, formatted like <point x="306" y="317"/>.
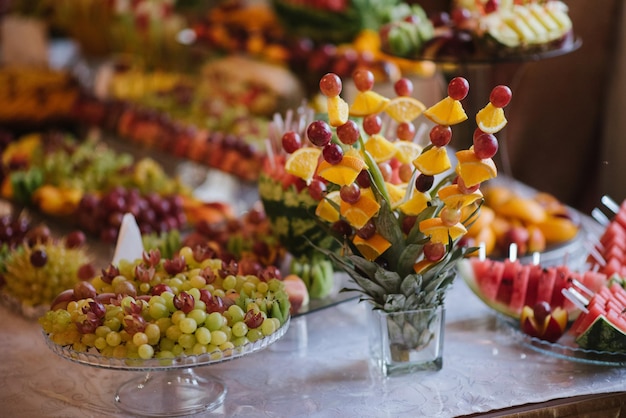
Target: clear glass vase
<point x="408" y="341"/>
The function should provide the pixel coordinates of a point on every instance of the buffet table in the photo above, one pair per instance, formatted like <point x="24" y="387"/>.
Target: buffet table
<point x="320" y="369"/>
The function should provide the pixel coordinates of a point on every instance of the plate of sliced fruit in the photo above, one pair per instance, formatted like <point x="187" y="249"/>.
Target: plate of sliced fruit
<point x="576" y="314"/>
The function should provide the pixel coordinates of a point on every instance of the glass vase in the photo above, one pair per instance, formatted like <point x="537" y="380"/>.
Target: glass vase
<point x="407" y="341"/>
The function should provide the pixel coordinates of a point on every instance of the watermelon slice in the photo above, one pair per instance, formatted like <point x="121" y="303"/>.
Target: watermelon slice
<point x="508" y="286"/>
<point x="603" y="327"/>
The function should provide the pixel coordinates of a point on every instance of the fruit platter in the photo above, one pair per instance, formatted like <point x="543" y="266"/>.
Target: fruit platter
<point x="574" y="313"/>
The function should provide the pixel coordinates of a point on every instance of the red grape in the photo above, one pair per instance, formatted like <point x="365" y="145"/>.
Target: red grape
<point x="403" y="87"/>
<point x="485" y="146"/>
<point x="291" y="141"/>
<point x="372" y="124"/>
<point x="38" y="258"/>
<point x="363" y="179"/>
<point x="464" y="189"/>
<point x="405" y="131"/>
<point x="319" y="133"/>
<point x="330" y="85"/>
<point x="434" y="251"/>
<point x="348" y="133"/>
<point x="363" y="79"/>
<point x="449" y="216"/>
<point x="424" y="182"/>
<point x="500" y="96"/>
<point x="440" y="135"/>
<point x="350" y="193"/>
<point x="458" y="88"/>
<point x="460" y="15"/>
<point x="491" y="6"/>
<point x="332" y="153"/>
<point x="541" y="310"/>
<point x="317" y="189"/>
<point x="342" y="227"/>
<point x="368" y="230"/>
<point x="75" y="239"/>
<point x="477" y="132"/>
<point x="405" y="171"/>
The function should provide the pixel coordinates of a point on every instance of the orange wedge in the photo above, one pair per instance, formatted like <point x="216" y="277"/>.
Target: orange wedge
<point x="381" y="149"/>
<point x="439" y="232"/>
<point x="446" y="112"/>
<point x="453" y="197"/>
<point x="373" y="247"/>
<point x="367" y="103"/>
<point x="359" y="213"/>
<point x="338" y="111"/>
<point x="404" y="108"/>
<point x="482" y="220"/>
<point x="491" y="119"/>
<point x="303" y="163"/>
<point x="325" y="210"/>
<point x="433" y="161"/>
<point x="407" y="151"/>
<point x="473" y="170"/>
<point x="416" y="204"/>
<point x="396" y="194"/>
<point x="343" y="173"/>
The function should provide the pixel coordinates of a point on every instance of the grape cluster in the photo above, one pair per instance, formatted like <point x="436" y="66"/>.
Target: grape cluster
<point x="167" y="308"/>
<point x="102" y="215"/>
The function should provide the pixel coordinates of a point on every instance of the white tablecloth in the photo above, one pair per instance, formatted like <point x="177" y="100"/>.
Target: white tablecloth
<point x="319" y="369"/>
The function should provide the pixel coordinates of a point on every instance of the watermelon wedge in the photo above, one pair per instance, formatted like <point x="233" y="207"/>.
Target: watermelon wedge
<point x="508" y="286"/>
<point x="603" y="326"/>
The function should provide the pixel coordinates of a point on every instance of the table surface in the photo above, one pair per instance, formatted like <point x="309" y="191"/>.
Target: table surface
<point x="320" y="368"/>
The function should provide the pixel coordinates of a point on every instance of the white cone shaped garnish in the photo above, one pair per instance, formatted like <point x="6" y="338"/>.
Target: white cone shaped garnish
<point x="129" y="245"/>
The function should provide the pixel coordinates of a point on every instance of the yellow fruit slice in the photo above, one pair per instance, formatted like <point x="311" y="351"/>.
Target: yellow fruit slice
<point x="343" y="173"/>
<point x="439" y="232"/>
<point x="524" y="209"/>
<point x="491" y="119"/>
<point x="557" y="229"/>
<point x="325" y="210"/>
<point x="416" y="204"/>
<point x="433" y="161"/>
<point x="473" y="170"/>
<point x="381" y="149"/>
<point x="482" y="220"/>
<point x="422" y="265"/>
<point x="338" y="111"/>
<point x="303" y="163"/>
<point x="453" y="197"/>
<point x="373" y="247"/>
<point x="407" y="151"/>
<point x="446" y="112"/>
<point x="496" y="195"/>
<point x="367" y="103"/>
<point x="404" y="108"/>
<point x="359" y="213"/>
<point x="396" y="194"/>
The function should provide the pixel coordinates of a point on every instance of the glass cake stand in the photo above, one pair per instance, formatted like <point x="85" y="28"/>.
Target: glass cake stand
<point x="170" y="387"/>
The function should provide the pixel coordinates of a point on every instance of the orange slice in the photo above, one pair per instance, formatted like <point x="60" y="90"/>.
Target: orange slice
<point x="446" y="112"/>
<point x="453" y="197"/>
<point x="491" y="119"/>
<point x="325" y="210"/>
<point x="338" y="111"/>
<point x="373" y="247"/>
<point x="303" y="163"/>
<point x="407" y="151"/>
<point x="473" y="170"/>
<point x="433" y="161"/>
<point x="367" y="103"/>
<point x="416" y="204"/>
<point x="343" y="173"/>
<point x="359" y="213"/>
<point x="404" y="108"/>
<point x="381" y="149"/>
<point x="483" y="219"/>
<point x="439" y="232"/>
<point x="422" y="265"/>
<point x="396" y="194"/>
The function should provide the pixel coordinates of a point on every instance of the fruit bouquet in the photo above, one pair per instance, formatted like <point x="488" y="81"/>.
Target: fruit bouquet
<point x="397" y="209"/>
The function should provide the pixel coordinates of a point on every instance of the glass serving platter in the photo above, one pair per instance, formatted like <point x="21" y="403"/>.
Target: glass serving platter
<point x="565" y="348"/>
<point x="170" y="387"/>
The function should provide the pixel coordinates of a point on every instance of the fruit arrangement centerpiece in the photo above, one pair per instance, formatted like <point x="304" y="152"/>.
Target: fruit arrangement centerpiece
<point x="397" y="209"/>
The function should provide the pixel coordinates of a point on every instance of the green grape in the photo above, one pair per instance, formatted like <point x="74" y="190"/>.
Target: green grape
<point x="203" y="335"/>
<point x="240" y="341"/>
<point x="254" y="334"/>
<point x="239" y="329"/>
<point x="146" y="351"/>
<point x="102" y="331"/>
<point x="218" y="337"/>
<point x="268" y="327"/>
<point x="187" y="340"/>
<point x="173" y="332"/>
<point x="236" y="313"/>
<point x="166" y="344"/>
<point x="199" y="349"/>
<point x="113" y="338"/>
<point x="178" y="316"/>
<point x="140" y="338"/>
<point x="214" y="321"/>
<point x="158" y="310"/>
<point x="153" y="332"/>
<point x="229" y="282"/>
<point x="163" y="324"/>
<point x="188" y="325"/>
